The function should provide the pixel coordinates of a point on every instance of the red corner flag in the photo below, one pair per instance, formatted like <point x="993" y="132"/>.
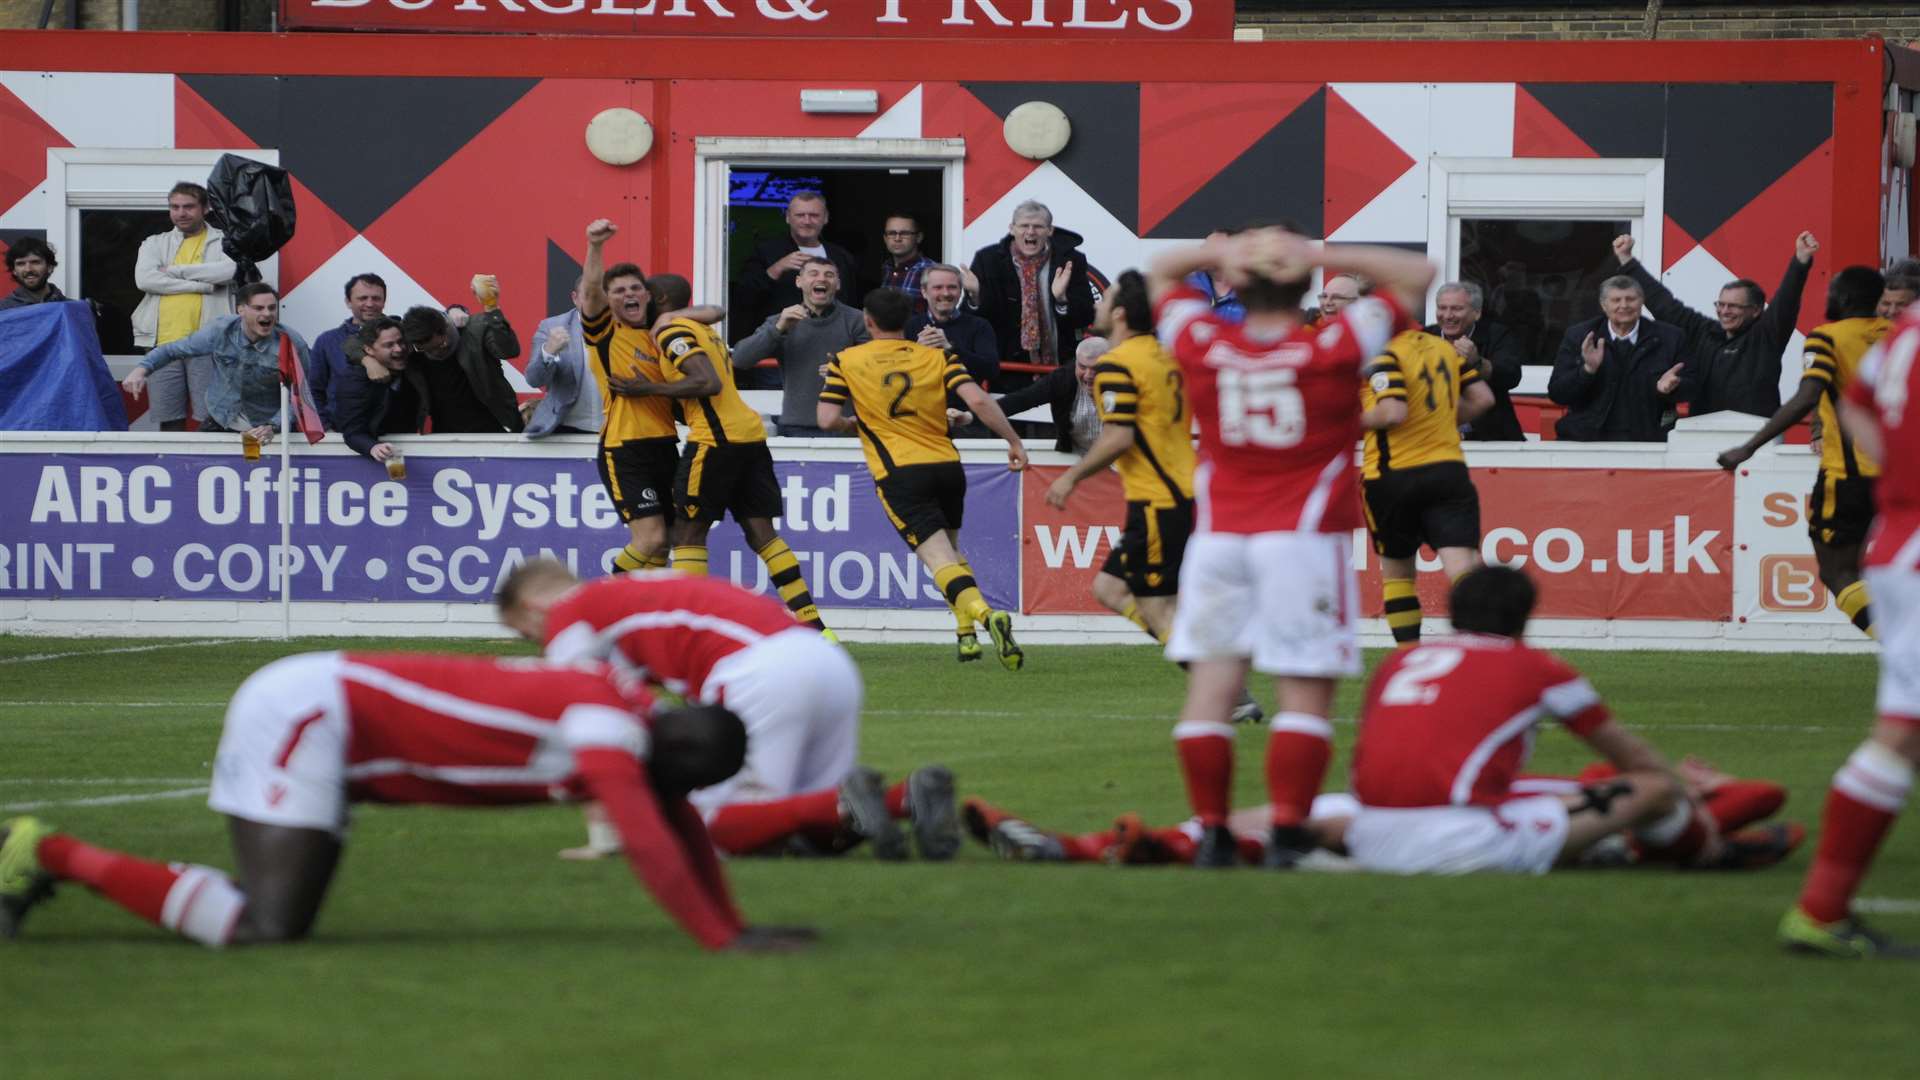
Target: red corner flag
<point x="294" y="374"/>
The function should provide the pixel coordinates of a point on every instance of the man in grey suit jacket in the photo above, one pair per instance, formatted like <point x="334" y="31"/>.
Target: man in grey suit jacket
<point x="559" y="364"/>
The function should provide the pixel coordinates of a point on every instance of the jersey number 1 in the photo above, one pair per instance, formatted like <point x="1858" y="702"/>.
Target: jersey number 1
<point x="1261" y="408"/>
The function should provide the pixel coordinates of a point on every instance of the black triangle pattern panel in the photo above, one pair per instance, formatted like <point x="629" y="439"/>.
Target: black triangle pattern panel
<point x="360" y="144"/>
<point x="1728" y="142"/>
<point x="1281" y="177"/>
<point x="1103" y="156"/>
<point x="562" y="271"/>
<point x="1618" y="120"/>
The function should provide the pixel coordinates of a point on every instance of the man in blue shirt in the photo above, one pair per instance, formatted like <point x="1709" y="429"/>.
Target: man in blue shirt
<point x="366" y="303"/>
<point x="245" y="349"/>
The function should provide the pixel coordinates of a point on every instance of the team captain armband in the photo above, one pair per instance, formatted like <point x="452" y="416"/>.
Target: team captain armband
<point x="1115" y="393"/>
<point x="1384" y="378"/>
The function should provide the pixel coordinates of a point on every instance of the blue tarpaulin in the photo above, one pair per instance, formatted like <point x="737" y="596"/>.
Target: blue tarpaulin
<point x="52" y="376"/>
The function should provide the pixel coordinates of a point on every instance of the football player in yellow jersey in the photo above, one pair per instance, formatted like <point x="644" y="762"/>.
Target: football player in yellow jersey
<point x="1416" y="397"/>
<point x="639" y="444"/>
<point x="1841" y="506"/>
<point x="898" y="391"/>
<point x="725" y="467"/>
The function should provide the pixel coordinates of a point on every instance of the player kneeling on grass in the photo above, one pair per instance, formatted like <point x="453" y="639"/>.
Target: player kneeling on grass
<point x="896" y="394"/>
<point x="307" y="735"/>
<point x="1445" y="731"/>
<point x="799" y="695"/>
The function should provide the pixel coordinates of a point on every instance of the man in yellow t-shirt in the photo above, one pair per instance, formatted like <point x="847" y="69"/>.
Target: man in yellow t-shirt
<point x="187" y="278"/>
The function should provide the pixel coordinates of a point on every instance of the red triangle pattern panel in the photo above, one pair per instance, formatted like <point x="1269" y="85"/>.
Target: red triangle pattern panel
<point x="1758" y="240"/>
<point x="1537" y="133"/>
<point x="1190" y="132"/>
<point x="539" y="183"/>
<point x="197" y="125"/>
<point x="1360" y="160"/>
<point x="320" y="235"/>
<point x="948" y="111"/>
<point x="24" y="140"/>
<point x="1674" y="244"/>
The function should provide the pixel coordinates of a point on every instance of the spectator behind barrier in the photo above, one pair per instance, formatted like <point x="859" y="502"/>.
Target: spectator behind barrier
<point x="1733" y="357"/>
<point x="802" y="337"/>
<point x="243" y="394"/>
<point x="770" y="278"/>
<point x="1032" y="288"/>
<point x="1068" y="394"/>
<point x="464" y="388"/>
<point x="1486" y="344"/>
<point x="571" y="405"/>
<point x="381" y="392"/>
<point x="905" y="265"/>
<point x="1618" y="374"/>
<point x="366" y="296"/>
<point x="946" y="326"/>
<point x="187" y="277"/>
<point x="31" y="262"/>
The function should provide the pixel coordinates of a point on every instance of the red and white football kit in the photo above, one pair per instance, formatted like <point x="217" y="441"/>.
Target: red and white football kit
<point x="1889" y="384"/>
<point x="1268" y="573"/>
<point x="798" y="694"/>
<point x="1446" y="728"/>
<point x="308" y="734"/>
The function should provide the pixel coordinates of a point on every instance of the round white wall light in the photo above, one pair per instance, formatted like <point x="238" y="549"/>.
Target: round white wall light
<point x="1038" y="130"/>
<point x="619" y="136"/>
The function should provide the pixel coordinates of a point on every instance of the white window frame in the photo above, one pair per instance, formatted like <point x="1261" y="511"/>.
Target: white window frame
<point x="82" y="178"/>
<point x="1556" y="189"/>
<point x="716" y="156"/>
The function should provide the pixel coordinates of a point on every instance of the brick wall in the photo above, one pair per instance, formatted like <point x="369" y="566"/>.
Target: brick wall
<point x="1898" y="22"/>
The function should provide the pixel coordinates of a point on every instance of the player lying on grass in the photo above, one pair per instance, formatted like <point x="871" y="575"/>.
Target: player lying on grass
<point x="799" y="694"/>
<point x="307" y="735"/>
<point x="1733" y="803"/>
<point x="1446" y="729"/>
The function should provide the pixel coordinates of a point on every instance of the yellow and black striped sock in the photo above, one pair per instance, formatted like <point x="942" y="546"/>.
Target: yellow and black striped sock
<point x="1853" y="603"/>
<point x="962" y="623"/>
<point x="1132" y="615"/>
<point x="962" y="593"/>
<point x="1403" y="609"/>
<point x="783" y="567"/>
<point x="690" y="558"/>
<point x="629" y="560"/>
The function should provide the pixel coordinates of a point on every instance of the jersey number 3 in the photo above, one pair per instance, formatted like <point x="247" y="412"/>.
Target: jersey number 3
<point x="1413" y="683"/>
<point x="1261" y="408"/>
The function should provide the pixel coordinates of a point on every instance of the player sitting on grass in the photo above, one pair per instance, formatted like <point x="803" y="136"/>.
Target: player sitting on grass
<point x="1445" y="731"/>
<point x="799" y="694"/>
<point x="307" y="735"/>
<point x="896" y="394"/>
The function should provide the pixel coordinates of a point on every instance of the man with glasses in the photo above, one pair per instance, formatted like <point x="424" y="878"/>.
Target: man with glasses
<point x="1733" y="357"/>
<point x="1338" y="291"/>
<point x="905" y="263"/>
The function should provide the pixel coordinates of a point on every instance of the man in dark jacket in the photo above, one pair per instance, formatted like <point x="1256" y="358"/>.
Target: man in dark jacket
<point x="1067" y="392"/>
<point x="378" y="392"/>
<point x="1032" y="287"/>
<point x="1617" y="374"/>
<point x="1483" y="343"/>
<point x="769" y="278"/>
<point x="945" y="326"/>
<point x="465" y="388"/>
<point x="1733" y="359"/>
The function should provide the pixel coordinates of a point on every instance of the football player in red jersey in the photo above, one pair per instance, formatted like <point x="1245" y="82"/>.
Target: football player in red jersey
<point x="1881" y="412"/>
<point x="1446" y="729"/>
<point x="1268" y="578"/>
<point x="309" y="734"/>
<point x="799" y="695"/>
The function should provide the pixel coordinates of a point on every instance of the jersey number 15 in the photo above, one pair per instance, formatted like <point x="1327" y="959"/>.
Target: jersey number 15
<point x="1261" y="408"/>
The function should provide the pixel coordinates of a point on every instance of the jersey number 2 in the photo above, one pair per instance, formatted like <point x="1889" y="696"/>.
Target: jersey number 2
<point x="905" y="382"/>
<point x="1261" y="408"/>
<point x="1413" y="683"/>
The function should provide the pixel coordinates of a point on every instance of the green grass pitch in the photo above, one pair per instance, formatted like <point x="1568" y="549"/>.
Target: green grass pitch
<point x="454" y="944"/>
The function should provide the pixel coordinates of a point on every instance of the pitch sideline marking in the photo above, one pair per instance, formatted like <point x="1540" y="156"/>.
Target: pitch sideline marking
<point x="21" y="703"/>
<point x="122" y="649"/>
<point x="1793" y="729"/>
<point x="103" y="800"/>
<point x="1886" y="905"/>
<point x="102" y="781"/>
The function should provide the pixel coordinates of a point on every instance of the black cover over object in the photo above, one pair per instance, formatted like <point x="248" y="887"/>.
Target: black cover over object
<point x="252" y="203"/>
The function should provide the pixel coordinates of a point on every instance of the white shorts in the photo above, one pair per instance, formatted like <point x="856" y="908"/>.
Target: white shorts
<point x="1523" y="836"/>
<point x="1896" y="621"/>
<point x="1286" y="600"/>
<point x="799" y="696"/>
<point x="283" y="751"/>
